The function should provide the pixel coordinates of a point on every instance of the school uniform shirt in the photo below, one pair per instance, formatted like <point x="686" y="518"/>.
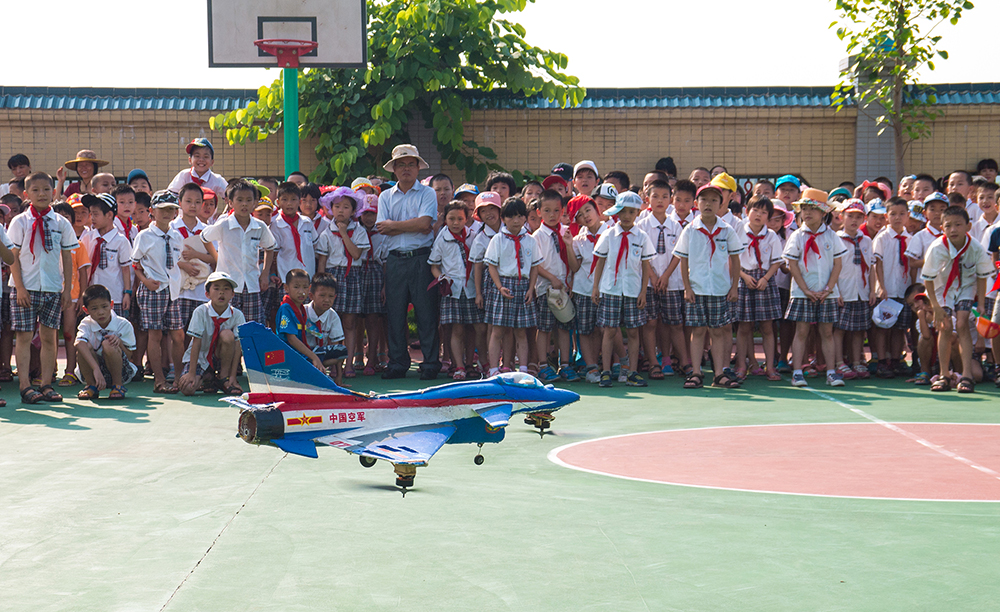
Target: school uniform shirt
<point x="548" y="240"/>
<point x="918" y="244"/>
<point x="980" y="227"/>
<point x="203" y="326"/>
<point x="132" y="229"/>
<point x="209" y="180"/>
<point x="975" y="212"/>
<point x="783" y="279"/>
<point x="240" y="249"/>
<point x="477" y="253"/>
<point x="708" y="254"/>
<point x="991" y="242"/>
<point x="331" y="244"/>
<point x="733" y="221"/>
<point x="377" y="252"/>
<point x="41" y="267"/>
<point x="583" y="247"/>
<point x="394" y="205"/>
<point x="682" y="222"/>
<point x="198" y="293"/>
<point x="502" y="252"/>
<point x="290" y="256"/>
<point x="895" y="273"/>
<point x="955" y="270"/>
<point x="856" y="265"/>
<point x="320" y="222"/>
<point x="91" y="332"/>
<point x="150" y="251"/>
<point x="107" y="254"/>
<point x="324" y="329"/>
<point x="451" y="253"/>
<point x="664" y="237"/>
<point x="623" y="269"/>
<point x="766" y="246"/>
<point x="816" y="267"/>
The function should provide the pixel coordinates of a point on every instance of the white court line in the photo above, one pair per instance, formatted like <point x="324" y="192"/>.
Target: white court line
<point x="912" y="436"/>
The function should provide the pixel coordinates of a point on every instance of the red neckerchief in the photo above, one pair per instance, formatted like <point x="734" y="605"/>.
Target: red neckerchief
<point x="755" y="245"/>
<point x="217" y="327"/>
<point x="300" y="314"/>
<point x="517" y="251"/>
<point x="350" y="260"/>
<point x="371" y="247"/>
<point x="460" y="239"/>
<point x="317" y="221"/>
<point x="956" y="263"/>
<point x="563" y="255"/>
<point x="293" y="224"/>
<point x="864" y="266"/>
<point x="711" y="241"/>
<point x="996" y="283"/>
<point x="182" y="230"/>
<point x="593" y="241"/>
<point x="811" y="246"/>
<point x="127" y="224"/>
<point x="930" y="230"/>
<point x="623" y="249"/>
<point x="197" y="181"/>
<point x="319" y="328"/>
<point x="95" y="258"/>
<point x="38" y="227"/>
<point x="903" y="261"/>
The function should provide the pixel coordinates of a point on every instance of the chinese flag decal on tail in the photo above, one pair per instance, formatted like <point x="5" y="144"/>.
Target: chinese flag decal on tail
<point x="274" y="358"/>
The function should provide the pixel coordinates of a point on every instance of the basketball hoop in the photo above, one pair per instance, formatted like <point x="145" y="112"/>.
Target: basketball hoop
<point x="288" y="51"/>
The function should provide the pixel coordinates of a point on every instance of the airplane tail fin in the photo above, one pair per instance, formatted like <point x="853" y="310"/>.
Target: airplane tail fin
<point x="275" y="367"/>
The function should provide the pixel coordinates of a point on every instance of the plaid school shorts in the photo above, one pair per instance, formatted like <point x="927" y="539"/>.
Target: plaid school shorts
<point x="5" y="312"/>
<point x="349" y="298"/>
<point x="119" y="309"/>
<point x="855" y="316"/>
<point x="45" y="309"/>
<point x="270" y="299"/>
<point x="185" y="310"/>
<point x="708" y="311"/>
<point x="755" y="305"/>
<point x="547" y="320"/>
<point x="905" y="316"/>
<point x="786" y="296"/>
<point x="672" y="307"/>
<point x="372" y="280"/>
<point x="159" y="312"/>
<point x="249" y="304"/>
<point x="805" y="310"/>
<point x="513" y="312"/>
<point x="461" y="310"/>
<point x="961" y="305"/>
<point x="652" y="309"/>
<point x="620" y="311"/>
<point x="134" y="312"/>
<point x="586" y="314"/>
<point x="129" y="370"/>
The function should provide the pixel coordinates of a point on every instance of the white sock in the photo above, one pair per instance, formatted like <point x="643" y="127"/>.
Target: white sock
<point x="798" y="372"/>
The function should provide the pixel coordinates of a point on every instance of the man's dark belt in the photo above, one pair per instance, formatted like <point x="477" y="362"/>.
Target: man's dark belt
<point x="414" y="253"/>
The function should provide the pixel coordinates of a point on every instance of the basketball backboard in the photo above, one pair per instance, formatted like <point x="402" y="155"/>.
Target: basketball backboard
<point x="338" y="26"/>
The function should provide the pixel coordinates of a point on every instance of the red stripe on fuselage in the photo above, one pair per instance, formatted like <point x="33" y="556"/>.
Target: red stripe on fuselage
<point x="291" y="402"/>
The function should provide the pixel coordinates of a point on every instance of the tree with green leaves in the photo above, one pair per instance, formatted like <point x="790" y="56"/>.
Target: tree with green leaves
<point x="890" y="41"/>
<point x="425" y="59"/>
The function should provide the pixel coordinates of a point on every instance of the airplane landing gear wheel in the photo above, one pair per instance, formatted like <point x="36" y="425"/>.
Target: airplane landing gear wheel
<point x="478" y="459"/>
<point x="367" y="461"/>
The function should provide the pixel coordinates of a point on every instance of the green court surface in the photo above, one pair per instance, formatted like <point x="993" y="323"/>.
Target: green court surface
<point x="154" y="504"/>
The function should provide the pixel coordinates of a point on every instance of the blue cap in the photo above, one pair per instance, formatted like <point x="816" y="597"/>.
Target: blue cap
<point x="840" y="191"/>
<point x="136" y="174"/>
<point x="877" y="206"/>
<point x="788" y="178"/>
<point x="917" y="211"/>
<point x="937" y="196"/>
<point x="467" y="188"/>
<point x="199" y="142"/>
<point x="627" y="199"/>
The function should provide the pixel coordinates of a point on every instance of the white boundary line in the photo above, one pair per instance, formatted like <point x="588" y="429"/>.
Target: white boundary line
<point x="553" y="456"/>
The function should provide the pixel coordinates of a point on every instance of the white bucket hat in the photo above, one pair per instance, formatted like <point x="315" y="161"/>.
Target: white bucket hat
<point x="405" y="150"/>
<point x="886" y="313"/>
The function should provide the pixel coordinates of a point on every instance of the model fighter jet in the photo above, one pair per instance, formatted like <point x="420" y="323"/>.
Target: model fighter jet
<point x="294" y="406"/>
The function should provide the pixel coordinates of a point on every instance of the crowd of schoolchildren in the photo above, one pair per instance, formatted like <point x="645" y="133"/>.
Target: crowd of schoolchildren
<point x="574" y="277"/>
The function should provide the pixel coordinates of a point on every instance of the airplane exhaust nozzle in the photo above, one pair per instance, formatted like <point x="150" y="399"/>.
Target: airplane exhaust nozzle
<point x="260" y="425"/>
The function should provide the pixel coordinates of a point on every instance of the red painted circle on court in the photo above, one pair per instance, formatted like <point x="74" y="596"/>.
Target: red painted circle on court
<point x="929" y="461"/>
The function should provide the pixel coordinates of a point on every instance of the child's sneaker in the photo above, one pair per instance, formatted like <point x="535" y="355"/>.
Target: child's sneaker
<point x="668" y="370"/>
<point x="606" y="379"/>
<point x="861" y="370"/>
<point x="594" y="374"/>
<point x="568" y="374"/>
<point x="883" y="370"/>
<point x="783" y="367"/>
<point x="834" y="379"/>
<point x="623" y="375"/>
<point x="547" y="374"/>
<point x="634" y="380"/>
<point x="798" y="380"/>
<point x="846" y="372"/>
<point x="616" y="370"/>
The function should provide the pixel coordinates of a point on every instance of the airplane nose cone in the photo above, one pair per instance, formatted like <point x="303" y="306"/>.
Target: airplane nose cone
<point x="564" y="397"/>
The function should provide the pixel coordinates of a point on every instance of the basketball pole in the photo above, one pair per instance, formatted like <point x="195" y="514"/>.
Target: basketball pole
<point x="291" y="122"/>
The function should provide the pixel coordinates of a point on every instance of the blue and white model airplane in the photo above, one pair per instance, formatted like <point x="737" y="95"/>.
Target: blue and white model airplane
<point x="294" y="406"/>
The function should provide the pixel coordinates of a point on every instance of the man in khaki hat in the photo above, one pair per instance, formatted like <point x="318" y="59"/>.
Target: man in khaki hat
<point x="406" y="214"/>
<point x="84" y="164"/>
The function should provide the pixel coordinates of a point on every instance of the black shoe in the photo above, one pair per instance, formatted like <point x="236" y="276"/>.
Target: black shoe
<point x="392" y="373"/>
<point x="428" y="374"/>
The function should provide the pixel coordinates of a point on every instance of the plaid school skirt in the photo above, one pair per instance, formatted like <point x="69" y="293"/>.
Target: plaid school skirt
<point x="620" y="311"/>
<point x="460" y="310"/>
<point x="708" y="311"/>
<point x="270" y="300"/>
<point x="805" y="310"/>
<point x="159" y="312"/>
<point x="755" y="305"/>
<point x="490" y="293"/>
<point x="249" y="304"/>
<point x="855" y="316"/>
<point x="586" y="314"/>
<point x="513" y="312"/>
<point x="45" y="309"/>
<point x="546" y="318"/>
<point x="372" y="281"/>
<point x="905" y="316"/>
<point x="349" y="298"/>
<point x="671" y="305"/>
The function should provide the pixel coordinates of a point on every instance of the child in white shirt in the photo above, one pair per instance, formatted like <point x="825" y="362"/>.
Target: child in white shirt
<point x="554" y="245"/>
<point x="201" y="156"/>
<point x="857" y="277"/>
<point x="324" y="331"/>
<point x="893" y="274"/>
<point x="110" y="253"/>
<point x="213" y="340"/>
<point x="589" y="219"/>
<point x="759" y="300"/>
<point x="104" y="345"/>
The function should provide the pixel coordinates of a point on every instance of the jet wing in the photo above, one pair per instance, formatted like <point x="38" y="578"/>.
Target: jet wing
<point x="412" y="445"/>
<point x="496" y="416"/>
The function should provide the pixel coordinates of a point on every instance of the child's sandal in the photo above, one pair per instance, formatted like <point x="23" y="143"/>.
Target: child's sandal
<point x="90" y="392"/>
<point x="458" y="375"/>
<point x="369" y="371"/>
<point x="49" y="394"/>
<point x="350" y="374"/>
<point x="694" y="381"/>
<point x="30" y="395"/>
<point x="117" y="393"/>
<point x="656" y="372"/>
<point x="966" y="385"/>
